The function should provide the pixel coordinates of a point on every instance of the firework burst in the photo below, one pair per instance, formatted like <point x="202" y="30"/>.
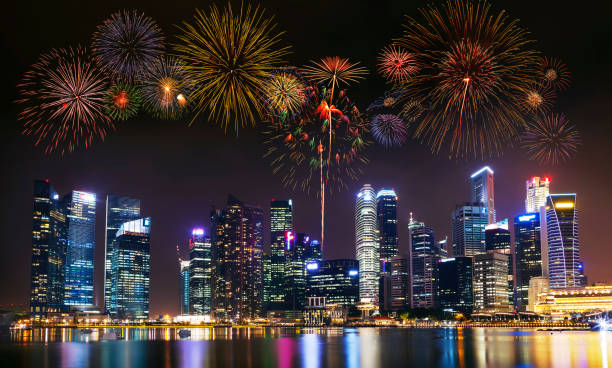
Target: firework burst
<point x="538" y="98"/>
<point x="284" y="94"/>
<point x="474" y="67"/>
<point x="551" y="139"/>
<point x="555" y="73"/>
<point x="126" y="43"/>
<point x="334" y="70"/>
<point x="231" y="56"/>
<point x="166" y="88"/>
<point x="396" y="65"/>
<point x="62" y="97"/>
<point x="388" y="102"/>
<point x="389" y="130"/>
<point x="122" y="101"/>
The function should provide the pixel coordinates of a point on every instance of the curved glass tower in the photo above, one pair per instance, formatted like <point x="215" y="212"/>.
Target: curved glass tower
<point x="366" y="242"/>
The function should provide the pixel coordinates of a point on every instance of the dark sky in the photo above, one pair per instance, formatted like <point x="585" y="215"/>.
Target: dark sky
<point x="179" y="172"/>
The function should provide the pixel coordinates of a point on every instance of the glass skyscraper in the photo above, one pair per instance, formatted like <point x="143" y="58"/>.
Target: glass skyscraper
<point x="469" y="221"/>
<point x="497" y="239"/>
<point x="455" y="284"/>
<point x="312" y="253"/>
<point x="366" y="243"/>
<point x="184" y="287"/>
<point x="119" y="209"/>
<point x="528" y="251"/>
<point x="131" y="263"/>
<point x="200" y="272"/>
<point x="424" y="258"/>
<point x="483" y="191"/>
<point x="386" y="208"/>
<point x="295" y="270"/>
<point x="337" y="280"/>
<point x="79" y="269"/>
<point x="400" y="283"/>
<point x="490" y="275"/>
<point x="281" y="221"/>
<point x="537" y="190"/>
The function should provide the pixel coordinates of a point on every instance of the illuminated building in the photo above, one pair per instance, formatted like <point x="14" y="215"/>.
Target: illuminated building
<point x="295" y="270"/>
<point x="366" y="243"/>
<point x="564" y="266"/>
<point x="200" y="272"/>
<point x="497" y="239"/>
<point x="561" y="303"/>
<point x="267" y="280"/>
<point x="312" y="253"/>
<point x="528" y="252"/>
<point x="483" y="191"/>
<point x="184" y="287"/>
<point x="537" y="286"/>
<point x="337" y="280"/>
<point x="48" y="251"/>
<point x="469" y="221"/>
<point x="490" y="279"/>
<point x="537" y="190"/>
<point x="424" y="261"/>
<point x="237" y="261"/>
<point x="131" y="259"/>
<point x="119" y="209"/>
<point x="455" y="284"/>
<point x="79" y="269"/>
<point x="386" y="209"/>
<point x="281" y="221"/>
<point x="400" y="283"/>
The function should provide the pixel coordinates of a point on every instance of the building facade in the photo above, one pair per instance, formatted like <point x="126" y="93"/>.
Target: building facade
<point x="537" y="189"/>
<point x="386" y="210"/>
<point x="184" y="287"/>
<point x="281" y="221"/>
<point x="295" y="270"/>
<point x="400" y="283"/>
<point x="528" y="253"/>
<point x="483" y="191"/>
<point x="337" y="280"/>
<point x="366" y="243"/>
<point x="424" y="262"/>
<point x="455" y="291"/>
<point x="497" y="239"/>
<point x="490" y="279"/>
<point x="468" y="222"/>
<point x="200" y="272"/>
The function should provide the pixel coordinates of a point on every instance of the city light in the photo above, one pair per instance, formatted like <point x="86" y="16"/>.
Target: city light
<point x="386" y="193"/>
<point x="564" y="205"/>
<point x="87" y="197"/>
<point x="353" y="273"/>
<point x="481" y="170"/>
<point x="197" y="231"/>
<point x="312" y="266"/>
<point x="526" y="217"/>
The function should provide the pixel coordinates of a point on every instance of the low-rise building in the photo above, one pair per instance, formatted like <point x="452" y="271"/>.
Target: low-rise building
<point x="562" y="303"/>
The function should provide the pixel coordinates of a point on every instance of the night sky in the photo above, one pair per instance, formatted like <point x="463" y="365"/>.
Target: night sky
<point x="179" y="172"/>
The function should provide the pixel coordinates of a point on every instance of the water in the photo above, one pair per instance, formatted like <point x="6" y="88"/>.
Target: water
<point x="311" y="348"/>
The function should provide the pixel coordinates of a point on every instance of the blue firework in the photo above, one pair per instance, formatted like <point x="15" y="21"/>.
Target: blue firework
<point x="389" y="130"/>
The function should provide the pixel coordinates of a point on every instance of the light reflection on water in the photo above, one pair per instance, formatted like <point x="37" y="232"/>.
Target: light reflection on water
<point x="309" y="348"/>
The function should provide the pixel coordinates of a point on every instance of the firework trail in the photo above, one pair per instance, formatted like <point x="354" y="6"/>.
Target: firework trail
<point x="551" y="139"/>
<point x="554" y="72"/>
<point x="389" y="130"/>
<point x="122" y="101"/>
<point x="396" y="65"/>
<point x="284" y="94"/>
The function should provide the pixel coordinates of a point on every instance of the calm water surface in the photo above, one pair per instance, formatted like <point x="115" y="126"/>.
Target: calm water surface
<point x="311" y="348"/>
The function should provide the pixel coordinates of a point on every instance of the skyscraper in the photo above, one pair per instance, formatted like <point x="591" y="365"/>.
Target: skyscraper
<point x="469" y="221"/>
<point x="483" y="191"/>
<point x="337" y="280"/>
<point x="490" y="275"/>
<point x="184" y="287"/>
<point x="537" y="190"/>
<point x="424" y="261"/>
<point x="295" y="270"/>
<point x="48" y="251"/>
<point x="386" y="209"/>
<point x="455" y="284"/>
<point x="528" y="251"/>
<point x="400" y="283"/>
<point x="281" y="221"/>
<point x="366" y="241"/>
<point x="200" y="272"/>
<point x="564" y="266"/>
<point x="497" y="239"/>
<point x="131" y="259"/>
<point x="312" y="252"/>
<point x="79" y="269"/>
<point x="119" y="209"/>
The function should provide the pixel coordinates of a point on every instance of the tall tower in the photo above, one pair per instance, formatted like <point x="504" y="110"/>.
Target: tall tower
<point x="281" y="221"/>
<point x="386" y="208"/>
<point x="199" y="272"/>
<point x="564" y="266"/>
<point x="424" y="255"/>
<point x="528" y="250"/>
<point x="119" y="209"/>
<point x="483" y="191"/>
<point x="537" y="190"/>
<point x="79" y="272"/>
<point x="498" y="240"/>
<point x="469" y="221"/>
<point x="366" y="241"/>
<point x="184" y="287"/>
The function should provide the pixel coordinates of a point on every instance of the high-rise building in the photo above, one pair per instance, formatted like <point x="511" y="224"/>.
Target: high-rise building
<point x="424" y="261"/>
<point x="295" y="270"/>
<point x="564" y="266"/>
<point x="281" y="221"/>
<point x="366" y="241"/>
<point x="79" y="269"/>
<point x="455" y="284"/>
<point x="528" y="253"/>
<point x="267" y="280"/>
<point x="312" y="252"/>
<point x="483" y="191"/>
<point x="469" y="221"/>
<point x="537" y="285"/>
<point x="386" y="209"/>
<point x="119" y="210"/>
<point x="237" y="259"/>
<point x="48" y="251"/>
<point x="337" y="280"/>
<point x="400" y="282"/>
<point x="497" y="239"/>
<point x="200" y="272"/>
<point x="131" y="259"/>
<point x="490" y="275"/>
<point x="184" y="287"/>
<point x="537" y="190"/>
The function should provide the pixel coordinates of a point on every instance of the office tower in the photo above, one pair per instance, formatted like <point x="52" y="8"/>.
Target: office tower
<point x="400" y="282"/>
<point x="483" y="191"/>
<point x="79" y="269"/>
<point x="312" y="252"/>
<point x="528" y="253"/>
<point x="119" y="210"/>
<point x="131" y="259"/>
<point x="537" y="286"/>
<point x="184" y="287"/>
<point x="337" y="280"/>
<point x="537" y="190"/>
<point x="386" y="209"/>
<point x="366" y="241"/>
<point x="455" y="284"/>
<point x="424" y="260"/>
<point x="295" y="270"/>
<point x="48" y="251"/>
<point x="281" y="221"/>
<point x="469" y="221"/>
<point x="443" y="247"/>
<point x="564" y="266"/>
<point x="237" y="259"/>
<point x="200" y="272"/>
<point x="267" y="280"/>
<point x="490" y="275"/>
<point x="497" y="239"/>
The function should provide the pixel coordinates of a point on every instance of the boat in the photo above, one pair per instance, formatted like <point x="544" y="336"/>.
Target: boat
<point x="85" y="331"/>
<point x="184" y="333"/>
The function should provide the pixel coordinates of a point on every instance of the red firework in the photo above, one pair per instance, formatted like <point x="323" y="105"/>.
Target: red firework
<point x="396" y="65"/>
<point x="555" y="73"/>
<point x="551" y="139"/>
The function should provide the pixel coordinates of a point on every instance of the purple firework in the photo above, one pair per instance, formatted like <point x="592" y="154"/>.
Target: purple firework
<point x="126" y="43"/>
<point x="389" y="130"/>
